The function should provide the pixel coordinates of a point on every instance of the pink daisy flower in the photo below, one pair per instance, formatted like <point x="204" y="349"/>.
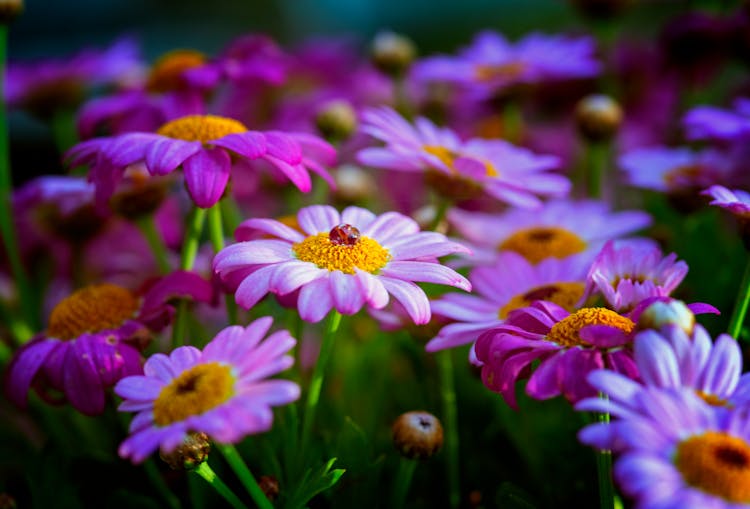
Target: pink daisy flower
<point x="630" y="273"/>
<point x="339" y="260"/>
<point x="567" y="346"/>
<point x="460" y="169"/>
<point x="511" y="283"/>
<point x="735" y="201"/>
<point x="559" y="229"/>
<point x="94" y="338"/>
<point x="221" y="391"/>
<point x="208" y="148"/>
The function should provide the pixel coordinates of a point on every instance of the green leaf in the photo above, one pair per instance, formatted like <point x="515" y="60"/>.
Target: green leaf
<point x="312" y="483"/>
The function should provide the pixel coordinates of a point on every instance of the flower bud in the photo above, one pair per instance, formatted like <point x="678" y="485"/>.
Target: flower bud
<point x="663" y="312"/>
<point x="417" y="435"/>
<point x="392" y="53"/>
<point x="192" y="452"/>
<point x="598" y="117"/>
<point x="353" y="184"/>
<point x="269" y="485"/>
<point x="336" y="120"/>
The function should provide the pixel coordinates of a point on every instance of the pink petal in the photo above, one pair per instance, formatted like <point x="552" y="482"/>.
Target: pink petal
<point x="206" y="176"/>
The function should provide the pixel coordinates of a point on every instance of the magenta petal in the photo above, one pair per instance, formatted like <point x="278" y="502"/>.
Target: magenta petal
<point x="426" y="272"/>
<point x="509" y="372"/>
<point x="83" y="386"/>
<point x="372" y="289"/>
<point x="164" y="155"/>
<point x="294" y="172"/>
<point x="206" y="176"/>
<point x="604" y="336"/>
<point x="315" y="300"/>
<point x="622" y="362"/>
<point x="347" y="295"/>
<point x="545" y="382"/>
<point x="283" y="147"/>
<point x="575" y="365"/>
<point x="180" y="283"/>
<point x="411" y="297"/>
<point x="255" y="286"/>
<point x="24" y="366"/>
<point x="699" y="308"/>
<point x="251" y="229"/>
<point x="250" y="144"/>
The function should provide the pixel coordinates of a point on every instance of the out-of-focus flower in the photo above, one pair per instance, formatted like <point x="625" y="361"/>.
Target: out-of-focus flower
<point x="207" y="147"/>
<point x="568" y="346"/>
<point x="559" y="229"/>
<point x="735" y="201"/>
<point x="628" y="273"/>
<point x="461" y="169"/>
<point x="392" y="53"/>
<point x="94" y="338"/>
<point x="718" y="124"/>
<point x="492" y="63"/>
<point x="511" y="283"/>
<point x="676" y="450"/>
<point x="676" y="170"/>
<point x="48" y="85"/>
<point x="221" y="391"/>
<point x="341" y="261"/>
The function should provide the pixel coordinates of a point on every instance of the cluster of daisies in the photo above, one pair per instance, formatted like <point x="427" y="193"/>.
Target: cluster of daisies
<point x="449" y="170"/>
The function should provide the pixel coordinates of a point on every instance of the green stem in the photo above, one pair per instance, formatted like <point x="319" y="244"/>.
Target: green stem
<point x="245" y="475"/>
<point x="63" y="126"/>
<point x="187" y="260"/>
<point x="450" y="424"/>
<point x="152" y="471"/>
<point x="155" y="241"/>
<point x="740" y="305"/>
<point x="402" y="482"/>
<point x="316" y="383"/>
<point x="441" y="209"/>
<point x="7" y="226"/>
<point x="604" y="469"/>
<point x="597" y="154"/>
<point x="216" y="233"/>
<point x="211" y="478"/>
<point x="512" y="122"/>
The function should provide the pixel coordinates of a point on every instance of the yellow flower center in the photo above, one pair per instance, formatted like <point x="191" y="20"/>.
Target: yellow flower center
<point x="713" y="399"/>
<point x="489" y="72"/>
<point x="716" y="463"/>
<point x="167" y="72"/>
<point x="203" y="128"/>
<point x="327" y="252"/>
<point x="448" y="158"/>
<point x="565" y="295"/>
<point x="540" y="242"/>
<point x="684" y="174"/>
<point x="92" y="309"/>
<point x="195" y="391"/>
<point x="566" y="331"/>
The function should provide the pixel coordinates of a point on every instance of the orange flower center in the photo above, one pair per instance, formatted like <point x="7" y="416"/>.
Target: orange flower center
<point x="540" y="242"/>
<point x="717" y="463"/>
<point x="194" y="392"/>
<point x="203" y="128"/>
<point x="508" y="70"/>
<point x="167" y="72"/>
<point x="92" y="309"/>
<point x="566" y="331"/>
<point x="565" y="295"/>
<point x="448" y="158"/>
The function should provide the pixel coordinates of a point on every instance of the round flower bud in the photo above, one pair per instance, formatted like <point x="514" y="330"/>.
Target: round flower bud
<point x="417" y="435"/>
<point x="392" y="53"/>
<point x="353" y="184"/>
<point x="269" y="485"/>
<point x="187" y="456"/>
<point x="336" y="120"/>
<point x="9" y="9"/>
<point x="598" y="117"/>
<point x="661" y="313"/>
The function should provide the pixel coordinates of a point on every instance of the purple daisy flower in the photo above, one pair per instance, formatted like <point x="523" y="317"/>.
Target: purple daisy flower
<point x="559" y="229"/>
<point x="492" y="63"/>
<point x="735" y="201"/>
<point x="675" y="449"/>
<point x="460" y="169"/>
<point x="717" y="124"/>
<point x="208" y="148"/>
<point x="629" y="273"/>
<point x="94" y="338"/>
<point x="511" y="283"/>
<point x="568" y="346"/>
<point x="221" y="391"/>
<point x="675" y="169"/>
<point x="341" y="261"/>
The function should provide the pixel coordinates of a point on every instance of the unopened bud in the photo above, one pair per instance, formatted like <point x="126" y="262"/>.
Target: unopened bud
<point x="598" y="117"/>
<point x="417" y="435"/>
<point x="353" y="184"/>
<point x="189" y="454"/>
<point x="269" y="485"/>
<point x="661" y="313"/>
<point x="393" y="53"/>
<point x="336" y="120"/>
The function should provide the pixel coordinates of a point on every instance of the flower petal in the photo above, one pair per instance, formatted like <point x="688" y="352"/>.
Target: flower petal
<point x="206" y="176"/>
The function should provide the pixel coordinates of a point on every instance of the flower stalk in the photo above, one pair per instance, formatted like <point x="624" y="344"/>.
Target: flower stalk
<point x="245" y="475"/>
<point x="187" y="260"/>
<point x="740" y="305"/>
<point x="604" y="468"/>
<point x="450" y="419"/>
<point x="216" y="233"/>
<point x="148" y="228"/>
<point x="207" y="473"/>
<point x="403" y="480"/>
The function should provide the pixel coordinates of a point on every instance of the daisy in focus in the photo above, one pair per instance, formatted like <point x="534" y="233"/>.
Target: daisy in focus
<point x="221" y="391"/>
<point x="207" y="148"/>
<point x="560" y="228"/>
<point x="511" y="283"/>
<point x="461" y="169"/>
<point x="94" y="338"/>
<point x="338" y="260"/>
